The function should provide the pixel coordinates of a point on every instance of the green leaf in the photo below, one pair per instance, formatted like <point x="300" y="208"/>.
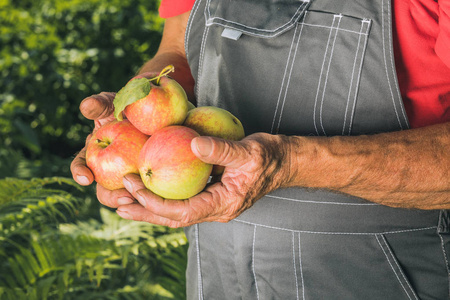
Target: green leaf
<point x="45" y="285"/>
<point x="16" y="272"/>
<point x="39" y="252"/>
<point x="99" y="273"/>
<point x="134" y="90"/>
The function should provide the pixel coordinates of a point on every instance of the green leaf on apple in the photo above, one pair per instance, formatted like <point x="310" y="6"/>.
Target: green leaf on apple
<point x="133" y="91"/>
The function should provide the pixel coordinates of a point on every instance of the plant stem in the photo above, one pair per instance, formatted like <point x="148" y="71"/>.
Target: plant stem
<point x="164" y="72"/>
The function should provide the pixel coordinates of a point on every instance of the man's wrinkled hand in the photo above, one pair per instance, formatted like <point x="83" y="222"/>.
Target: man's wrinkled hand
<point x="100" y="109"/>
<point x="254" y="167"/>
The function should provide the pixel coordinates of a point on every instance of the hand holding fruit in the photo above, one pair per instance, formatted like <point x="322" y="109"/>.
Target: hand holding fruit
<point x="254" y="167"/>
<point x="216" y="122"/>
<point x="100" y="109"/>
<point x="113" y="152"/>
<point x="175" y="161"/>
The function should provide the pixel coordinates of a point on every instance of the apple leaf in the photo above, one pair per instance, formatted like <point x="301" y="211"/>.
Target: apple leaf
<point x="134" y="90"/>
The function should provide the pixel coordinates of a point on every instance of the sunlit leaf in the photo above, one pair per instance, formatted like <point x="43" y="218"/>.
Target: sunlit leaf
<point x="133" y="91"/>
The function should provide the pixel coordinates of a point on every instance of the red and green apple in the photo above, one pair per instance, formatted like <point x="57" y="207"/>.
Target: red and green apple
<point x="169" y="168"/>
<point x="113" y="151"/>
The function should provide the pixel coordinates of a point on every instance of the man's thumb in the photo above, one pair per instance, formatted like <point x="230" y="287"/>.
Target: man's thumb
<point x="218" y="151"/>
<point x="98" y="106"/>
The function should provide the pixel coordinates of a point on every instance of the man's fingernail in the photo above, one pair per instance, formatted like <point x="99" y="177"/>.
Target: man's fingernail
<point x="124" y="214"/>
<point x="141" y="198"/>
<point x="128" y="185"/>
<point x="204" y="146"/>
<point x="124" y="201"/>
<point x="83" y="180"/>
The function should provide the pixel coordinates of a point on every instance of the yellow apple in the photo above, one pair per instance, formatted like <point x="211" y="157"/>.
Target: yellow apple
<point x="216" y="122"/>
<point x="190" y="105"/>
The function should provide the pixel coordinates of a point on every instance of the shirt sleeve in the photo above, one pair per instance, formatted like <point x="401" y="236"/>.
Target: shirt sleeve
<point x="172" y="8"/>
<point x="442" y="46"/>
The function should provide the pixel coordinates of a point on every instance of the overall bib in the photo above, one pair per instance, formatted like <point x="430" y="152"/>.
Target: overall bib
<point x="317" y="67"/>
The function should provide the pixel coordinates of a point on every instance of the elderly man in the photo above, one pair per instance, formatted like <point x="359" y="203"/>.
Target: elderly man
<point x="341" y="188"/>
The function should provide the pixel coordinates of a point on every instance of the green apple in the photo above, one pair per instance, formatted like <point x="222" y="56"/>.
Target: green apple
<point x="190" y="105"/>
<point x="113" y="151"/>
<point x="217" y="122"/>
<point x="169" y="168"/>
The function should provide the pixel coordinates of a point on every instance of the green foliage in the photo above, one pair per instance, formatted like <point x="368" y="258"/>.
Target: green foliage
<point x="56" y="241"/>
<point x="33" y="205"/>
<point x="54" y="53"/>
<point x="45" y="254"/>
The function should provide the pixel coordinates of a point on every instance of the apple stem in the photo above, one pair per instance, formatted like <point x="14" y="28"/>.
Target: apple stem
<point x="164" y="72"/>
<point x="102" y="143"/>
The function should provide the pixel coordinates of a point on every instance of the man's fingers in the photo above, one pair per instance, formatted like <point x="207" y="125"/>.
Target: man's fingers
<point x="80" y="173"/>
<point x="98" y="106"/>
<point x="219" y="152"/>
<point x="137" y="212"/>
<point x="133" y="183"/>
<point x="114" y="198"/>
<point x="183" y="211"/>
<point x="149" y="200"/>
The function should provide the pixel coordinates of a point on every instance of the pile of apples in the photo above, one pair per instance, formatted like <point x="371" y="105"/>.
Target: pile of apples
<point x="154" y="140"/>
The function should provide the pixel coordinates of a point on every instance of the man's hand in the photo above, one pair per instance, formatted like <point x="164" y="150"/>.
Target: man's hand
<point x="254" y="167"/>
<point x="99" y="108"/>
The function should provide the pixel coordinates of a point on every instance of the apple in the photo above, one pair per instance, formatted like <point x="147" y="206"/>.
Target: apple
<point x="217" y="122"/>
<point x="190" y="106"/>
<point x="113" y="151"/>
<point x="165" y="105"/>
<point x="169" y="168"/>
<point x="151" y="104"/>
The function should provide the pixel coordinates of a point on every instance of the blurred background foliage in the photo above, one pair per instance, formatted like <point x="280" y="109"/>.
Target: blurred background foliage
<point x="53" y="54"/>
<point x="56" y="240"/>
<point x="53" y="245"/>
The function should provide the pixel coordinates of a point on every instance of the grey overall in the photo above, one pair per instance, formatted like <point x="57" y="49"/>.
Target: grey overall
<point x="318" y="67"/>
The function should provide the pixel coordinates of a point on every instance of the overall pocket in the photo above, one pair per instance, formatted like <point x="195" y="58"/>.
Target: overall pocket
<point x="281" y="68"/>
<point x="326" y="66"/>
<point x="351" y="267"/>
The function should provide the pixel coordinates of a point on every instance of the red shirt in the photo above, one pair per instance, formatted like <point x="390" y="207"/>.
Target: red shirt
<point x="421" y="33"/>
<point x="422" y="58"/>
<point x="171" y="8"/>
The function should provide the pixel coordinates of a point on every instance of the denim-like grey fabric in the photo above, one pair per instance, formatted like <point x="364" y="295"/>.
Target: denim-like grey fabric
<point x="285" y="248"/>
<point x="317" y="67"/>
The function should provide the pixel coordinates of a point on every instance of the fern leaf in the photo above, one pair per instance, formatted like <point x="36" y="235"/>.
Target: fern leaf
<point x="29" y="204"/>
<point x="13" y="188"/>
<point x="16" y="271"/>
<point x="44" y="287"/>
<point x="41" y="258"/>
